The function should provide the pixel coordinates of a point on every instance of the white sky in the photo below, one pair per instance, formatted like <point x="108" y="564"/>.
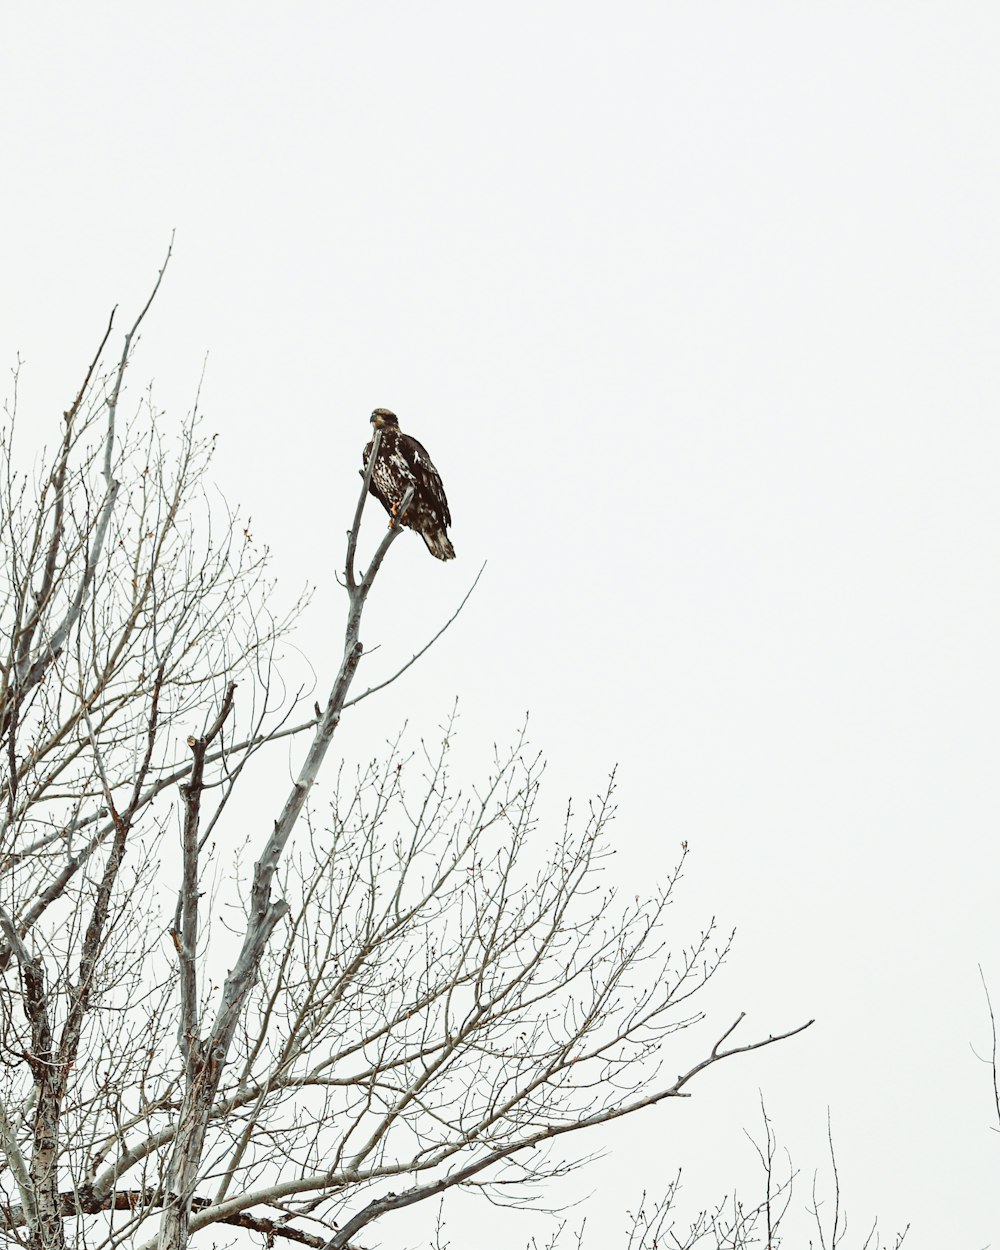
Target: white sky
<point x="696" y="308"/>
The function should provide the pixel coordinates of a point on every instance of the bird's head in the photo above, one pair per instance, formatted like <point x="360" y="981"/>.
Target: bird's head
<point x="383" y="419"/>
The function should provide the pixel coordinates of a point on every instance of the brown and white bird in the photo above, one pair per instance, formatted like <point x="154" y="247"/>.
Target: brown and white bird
<point x="403" y="462"/>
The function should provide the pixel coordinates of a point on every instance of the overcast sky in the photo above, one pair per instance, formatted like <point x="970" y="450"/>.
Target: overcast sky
<point x="696" y="307"/>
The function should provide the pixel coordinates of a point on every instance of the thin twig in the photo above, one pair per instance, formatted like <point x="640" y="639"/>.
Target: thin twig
<point x="993" y="1044"/>
<point x="427" y="646"/>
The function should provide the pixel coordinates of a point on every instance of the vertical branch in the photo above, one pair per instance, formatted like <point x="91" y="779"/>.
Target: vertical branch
<point x="18" y="1167"/>
<point x="120" y="373"/>
<point x="80" y="994"/>
<point x="186" y="919"/>
<point x="352" y="536"/>
<point x="993" y="1046"/>
<point x="46" y="1231"/>
<point x="57" y="480"/>
<point x="23" y="634"/>
<point x="190" y="1135"/>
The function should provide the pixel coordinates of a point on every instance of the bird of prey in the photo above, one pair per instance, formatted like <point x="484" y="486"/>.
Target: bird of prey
<point x="403" y="462"/>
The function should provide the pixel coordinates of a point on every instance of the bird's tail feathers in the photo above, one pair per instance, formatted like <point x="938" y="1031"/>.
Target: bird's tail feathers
<point x="438" y="544"/>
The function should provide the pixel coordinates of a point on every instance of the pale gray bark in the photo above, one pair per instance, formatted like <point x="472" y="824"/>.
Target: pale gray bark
<point x="415" y="1002"/>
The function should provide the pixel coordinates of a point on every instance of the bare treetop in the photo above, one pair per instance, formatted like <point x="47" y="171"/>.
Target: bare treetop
<point x="402" y="998"/>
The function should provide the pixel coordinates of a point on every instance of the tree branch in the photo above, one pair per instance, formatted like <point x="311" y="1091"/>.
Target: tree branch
<point x="426" y="647"/>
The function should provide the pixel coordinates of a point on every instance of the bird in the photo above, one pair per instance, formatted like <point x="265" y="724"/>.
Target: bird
<point x="403" y="462"/>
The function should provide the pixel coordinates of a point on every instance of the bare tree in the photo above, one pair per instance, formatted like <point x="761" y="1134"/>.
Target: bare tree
<point x="420" y="990"/>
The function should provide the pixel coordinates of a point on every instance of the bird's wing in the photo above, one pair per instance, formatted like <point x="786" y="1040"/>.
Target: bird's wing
<point x="425" y="475"/>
